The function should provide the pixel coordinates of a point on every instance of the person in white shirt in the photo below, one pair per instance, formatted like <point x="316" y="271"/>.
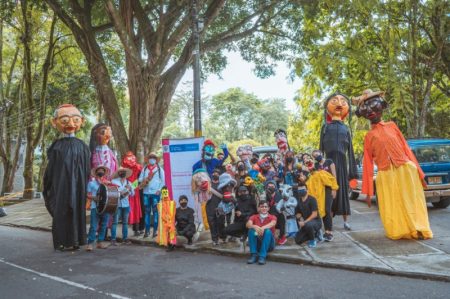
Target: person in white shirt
<point x="123" y="211"/>
<point x="151" y="180"/>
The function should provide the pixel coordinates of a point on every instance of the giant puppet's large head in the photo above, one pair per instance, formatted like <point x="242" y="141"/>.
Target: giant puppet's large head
<point x="67" y="119"/>
<point x="208" y="150"/>
<point x="100" y="135"/>
<point x="370" y="105"/>
<point x="129" y="161"/>
<point x="281" y="140"/>
<point x="244" y="152"/>
<point x="200" y="181"/>
<point x="337" y="107"/>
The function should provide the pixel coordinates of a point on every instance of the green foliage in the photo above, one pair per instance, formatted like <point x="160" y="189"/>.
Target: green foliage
<point x="399" y="47"/>
<point x="228" y="117"/>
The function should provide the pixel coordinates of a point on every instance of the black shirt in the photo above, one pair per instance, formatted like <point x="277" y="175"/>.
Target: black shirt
<point x="183" y="217"/>
<point x="307" y="207"/>
<point x="325" y="166"/>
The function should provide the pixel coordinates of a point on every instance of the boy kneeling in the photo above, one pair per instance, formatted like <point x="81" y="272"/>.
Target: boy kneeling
<point x="261" y="230"/>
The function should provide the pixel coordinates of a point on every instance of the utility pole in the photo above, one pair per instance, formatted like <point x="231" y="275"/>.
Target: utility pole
<point x="197" y="26"/>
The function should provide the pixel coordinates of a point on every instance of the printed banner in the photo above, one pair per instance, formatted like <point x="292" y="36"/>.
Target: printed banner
<point x="179" y="155"/>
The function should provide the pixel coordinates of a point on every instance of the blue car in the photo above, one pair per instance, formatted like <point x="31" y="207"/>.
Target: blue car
<point x="433" y="155"/>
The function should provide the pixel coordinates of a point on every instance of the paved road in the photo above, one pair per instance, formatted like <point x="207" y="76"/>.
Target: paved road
<point x="29" y="268"/>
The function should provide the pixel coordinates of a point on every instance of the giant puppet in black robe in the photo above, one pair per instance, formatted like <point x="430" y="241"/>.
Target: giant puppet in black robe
<point x="336" y="143"/>
<point x="65" y="180"/>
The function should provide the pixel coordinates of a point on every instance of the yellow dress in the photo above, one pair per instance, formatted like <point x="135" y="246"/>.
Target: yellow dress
<point x="401" y="201"/>
<point x="316" y="187"/>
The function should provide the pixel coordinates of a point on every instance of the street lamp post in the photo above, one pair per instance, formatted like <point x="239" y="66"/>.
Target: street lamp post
<point x="196" y="28"/>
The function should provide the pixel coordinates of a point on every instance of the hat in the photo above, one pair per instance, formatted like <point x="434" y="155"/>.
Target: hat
<point x="366" y="95"/>
<point x="153" y="154"/>
<point x="209" y="142"/>
<point x="225" y="179"/>
<point x="94" y="170"/>
<point x="242" y="187"/>
<point x="122" y="169"/>
<point x="270" y="182"/>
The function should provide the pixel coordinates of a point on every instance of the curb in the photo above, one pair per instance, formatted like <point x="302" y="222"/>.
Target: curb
<point x="281" y="259"/>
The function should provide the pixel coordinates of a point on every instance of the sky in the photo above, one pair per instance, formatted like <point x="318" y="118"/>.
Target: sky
<point x="238" y="73"/>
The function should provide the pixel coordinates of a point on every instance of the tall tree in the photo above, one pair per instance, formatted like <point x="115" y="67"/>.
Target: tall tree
<point x="157" y="41"/>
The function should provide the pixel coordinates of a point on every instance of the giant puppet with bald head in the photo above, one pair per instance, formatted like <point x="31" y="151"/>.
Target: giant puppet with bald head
<point x="65" y="180"/>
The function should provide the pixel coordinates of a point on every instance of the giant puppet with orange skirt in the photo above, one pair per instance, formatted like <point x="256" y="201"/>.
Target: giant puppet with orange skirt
<point x="167" y="233"/>
<point x="400" y="180"/>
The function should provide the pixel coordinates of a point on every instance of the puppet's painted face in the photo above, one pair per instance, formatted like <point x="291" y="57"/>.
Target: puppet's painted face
<point x="129" y="160"/>
<point x="372" y="110"/>
<point x="337" y="107"/>
<point x="244" y="152"/>
<point x="165" y="194"/>
<point x="103" y="135"/>
<point x="281" y="139"/>
<point x="208" y="152"/>
<point x="201" y="181"/>
<point x="68" y="121"/>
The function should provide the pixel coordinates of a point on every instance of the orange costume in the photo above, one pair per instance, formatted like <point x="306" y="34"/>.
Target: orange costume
<point x="401" y="199"/>
<point x="166" y="211"/>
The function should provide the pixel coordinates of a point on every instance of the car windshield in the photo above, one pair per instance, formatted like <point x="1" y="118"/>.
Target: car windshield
<point x="436" y="153"/>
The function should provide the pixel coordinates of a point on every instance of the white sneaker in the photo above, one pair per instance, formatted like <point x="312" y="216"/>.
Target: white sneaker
<point x="347" y="226"/>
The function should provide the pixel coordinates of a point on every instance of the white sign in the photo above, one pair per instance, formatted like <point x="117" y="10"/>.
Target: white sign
<point x="179" y="156"/>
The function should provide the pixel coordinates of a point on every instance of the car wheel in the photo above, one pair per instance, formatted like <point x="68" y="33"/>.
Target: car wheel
<point x="354" y="195"/>
<point x="442" y="204"/>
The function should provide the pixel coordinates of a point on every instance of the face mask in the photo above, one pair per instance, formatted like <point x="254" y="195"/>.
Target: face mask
<point x="122" y="175"/>
<point x="263" y="216"/>
<point x="289" y="159"/>
<point x="270" y="190"/>
<point x="152" y="161"/>
<point x="183" y="204"/>
<point x="302" y="192"/>
<point x="100" y="174"/>
<point x="215" y="177"/>
<point x="244" y="196"/>
<point x="241" y="167"/>
<point x="319" y="158"/>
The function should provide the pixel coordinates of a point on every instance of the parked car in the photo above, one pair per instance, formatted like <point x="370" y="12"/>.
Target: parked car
<point x="262" y="150"/>
<point x="433" y="155"/>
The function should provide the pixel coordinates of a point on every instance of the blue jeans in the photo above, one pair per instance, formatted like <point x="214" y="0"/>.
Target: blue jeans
<point x="261" y="245"/>
<point x="121" y="213"/>
<point x="150" y="202"/>
<point x="95" y="218"/>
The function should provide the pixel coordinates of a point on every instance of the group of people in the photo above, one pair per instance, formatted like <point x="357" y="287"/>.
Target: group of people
<point x="248" y="198"/>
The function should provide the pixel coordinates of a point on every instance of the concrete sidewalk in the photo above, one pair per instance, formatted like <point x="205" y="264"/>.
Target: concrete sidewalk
<point x="365" y="248"/>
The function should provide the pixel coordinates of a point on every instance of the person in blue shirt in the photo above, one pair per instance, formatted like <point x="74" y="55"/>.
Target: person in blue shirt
<point x="151" y="180"/>
<point x="99" y="173"/>
<point x="208" y="161"/>
<point x="125" y="189"/>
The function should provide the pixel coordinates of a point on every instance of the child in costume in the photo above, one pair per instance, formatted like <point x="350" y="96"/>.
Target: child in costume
<point x="287" y="207"/>
<point x="129" y="161"/>
<point x="336" y="143"/>
<point x="167" y="233"/>
<point x="400" y="180"/>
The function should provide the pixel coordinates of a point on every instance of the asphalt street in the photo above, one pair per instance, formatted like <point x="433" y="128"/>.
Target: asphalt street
<point x="29" y="268"/>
